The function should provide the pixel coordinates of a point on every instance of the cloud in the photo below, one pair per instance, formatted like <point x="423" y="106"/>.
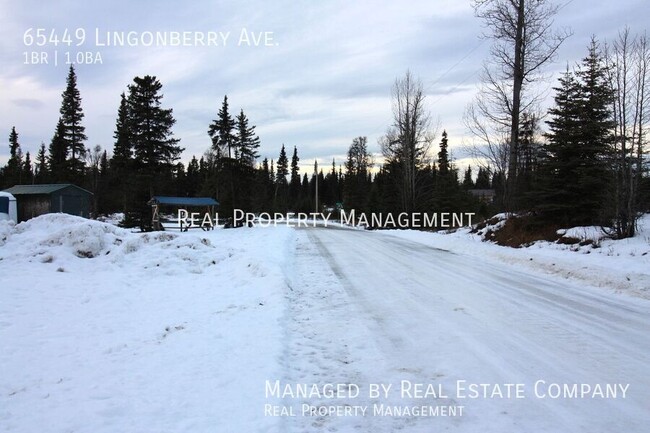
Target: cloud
<point x="327" y="81"/>
<point x="28" y="103"/>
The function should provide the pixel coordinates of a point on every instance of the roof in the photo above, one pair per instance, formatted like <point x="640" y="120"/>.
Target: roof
<point x="41" y="189"/>
<point x="184" y="201"/>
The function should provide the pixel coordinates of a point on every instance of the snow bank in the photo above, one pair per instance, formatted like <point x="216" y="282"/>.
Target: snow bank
<point x="104" y="330"/>
<point x="6" y="228"/>
<point x="617" y="265"/>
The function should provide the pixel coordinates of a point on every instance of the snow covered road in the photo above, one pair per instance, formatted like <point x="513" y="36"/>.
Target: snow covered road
<point x="406" y="311"/>
<point x="104" y="330"/>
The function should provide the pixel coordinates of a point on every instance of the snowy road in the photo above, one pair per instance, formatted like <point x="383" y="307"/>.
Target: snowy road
<point x="397" y="310"/>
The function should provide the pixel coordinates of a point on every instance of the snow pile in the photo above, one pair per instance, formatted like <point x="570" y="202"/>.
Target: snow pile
<point x="105" y="330"/>
<point x="618" y="265"/>
<point x="6" y="228"/>
<point x="67" y="234"/>
<point x="114" y="218"/>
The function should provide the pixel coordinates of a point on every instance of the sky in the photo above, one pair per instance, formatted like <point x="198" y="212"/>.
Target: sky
<point x="320" y="75"/>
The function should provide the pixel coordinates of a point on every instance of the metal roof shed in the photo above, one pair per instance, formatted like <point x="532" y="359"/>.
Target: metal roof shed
<point x="35" y="200"/>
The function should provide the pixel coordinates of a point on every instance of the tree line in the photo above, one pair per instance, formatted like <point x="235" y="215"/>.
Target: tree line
<point x="583" y="162"/>
<point x="589" y="165"/>
<point x="145" y="161"/>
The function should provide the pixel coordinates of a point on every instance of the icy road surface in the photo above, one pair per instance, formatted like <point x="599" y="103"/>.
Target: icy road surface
<point x="370" y="308"/>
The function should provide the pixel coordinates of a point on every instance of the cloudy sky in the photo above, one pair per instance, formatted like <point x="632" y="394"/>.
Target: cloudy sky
<point x="324" y="79"/>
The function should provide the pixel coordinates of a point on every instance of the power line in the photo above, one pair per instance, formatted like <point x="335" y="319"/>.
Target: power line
<point x="452" y="67"/>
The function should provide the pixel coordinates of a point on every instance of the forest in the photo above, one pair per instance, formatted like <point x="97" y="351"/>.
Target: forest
<point x="583" y="161"/>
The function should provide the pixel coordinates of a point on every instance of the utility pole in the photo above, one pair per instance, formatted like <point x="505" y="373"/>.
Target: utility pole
<point x="316" y="180"/>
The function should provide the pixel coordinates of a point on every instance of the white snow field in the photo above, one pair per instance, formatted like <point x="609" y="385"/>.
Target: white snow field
<point x="103" y="330"/>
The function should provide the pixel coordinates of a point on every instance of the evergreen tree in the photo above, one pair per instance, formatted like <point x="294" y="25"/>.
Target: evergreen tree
<point x="443" y="155"/>
<point x="529" y="153"/>
<point x="294" y="180"/>
<point x="559" y="171"/>
<point x="332" y="194"/>
<point x="596" y="127"/>
<point x="483" y="179"/>
<point x="247" y="142"/>
<point x="28" y="170"/>
<point x="281" y="186"/>
<point x="41" y="175"/>
<point x="13" y="171"/>
<point x="73" y="134"/>
<point x="447" y="196"/>
<point x="151" y="126"/>
<point x="574" y="173"/>
<point x="122" y="176"/>
<point x="154" y="147"/>
<point x="193" y="177"/>
<point x="58" y="155"/>
<point x="123" y="148"/>
<point x="221" y="131"/>
<point x="282" y="167"/>
<point x="225" y="152"/>
<point x="468" y="183"/>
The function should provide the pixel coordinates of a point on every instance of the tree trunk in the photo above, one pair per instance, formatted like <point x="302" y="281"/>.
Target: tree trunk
<point x="518" y="79"/>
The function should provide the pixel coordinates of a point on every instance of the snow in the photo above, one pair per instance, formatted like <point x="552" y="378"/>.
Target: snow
<point x="621" y="266"/>
<point x="107" y="330"/>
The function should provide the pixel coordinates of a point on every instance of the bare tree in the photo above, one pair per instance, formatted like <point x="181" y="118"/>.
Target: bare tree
<point x="357" y="169"/>
<point x="407" y="143"/>
<point x="524" y="41"/>
<point x="93" y="158"/>
<point x="628" y="59"/>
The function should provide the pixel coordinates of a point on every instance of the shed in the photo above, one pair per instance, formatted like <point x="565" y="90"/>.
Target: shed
<point x="35" y="200"/>
<point x="207" y="203"/>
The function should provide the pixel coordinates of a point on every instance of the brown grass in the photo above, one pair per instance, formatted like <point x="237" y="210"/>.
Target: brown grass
<point x="522" y="231"/>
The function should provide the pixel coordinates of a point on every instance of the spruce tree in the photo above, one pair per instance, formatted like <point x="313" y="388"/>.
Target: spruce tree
<point x="123" y="148"/>
<point x="282" y="167"/>
<point x="596" y="126"/>
<point x="28" y="170"/>
<point x="42" y="174"/>
<point x="193" y="177"/>
<point x="57" y="160"/>
<point x="281" y="172"/>
<point x="150" y="126"/>
<point x="559" y="169"/>
<point x="13" y="172"/>
<point x="294" y="179"/>
<point x="74" y="134"/>
<point x="574" y="173"/>
<point x="247" y="142"/>
<point x="122" y="177"/>
<point x="446" y="192"/>
<point x="468" y="183"/>
<point x="221" y="131"/>
<point x="155" y="149"/>
<point x="483" y="179"/>
<point x="443" y="155"/>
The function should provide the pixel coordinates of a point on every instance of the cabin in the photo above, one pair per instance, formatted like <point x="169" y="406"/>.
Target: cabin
<point x="35" y="200"/>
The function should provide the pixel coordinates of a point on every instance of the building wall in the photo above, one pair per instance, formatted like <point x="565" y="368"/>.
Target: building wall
<point x="30" y="206"/>
<point x="68" y="200"/>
